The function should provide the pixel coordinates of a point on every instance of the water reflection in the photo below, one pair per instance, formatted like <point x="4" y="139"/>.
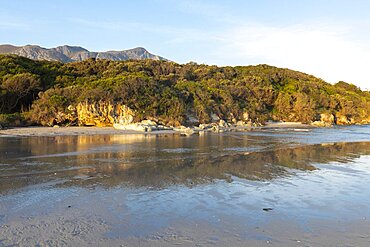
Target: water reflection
<point x="158" y="161"/>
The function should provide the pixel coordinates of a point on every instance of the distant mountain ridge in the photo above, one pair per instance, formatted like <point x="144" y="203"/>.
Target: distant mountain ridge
<point x="68" y="53"/>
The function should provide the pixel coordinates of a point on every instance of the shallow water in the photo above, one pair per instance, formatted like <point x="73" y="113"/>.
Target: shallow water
<point x="215" y="189"/>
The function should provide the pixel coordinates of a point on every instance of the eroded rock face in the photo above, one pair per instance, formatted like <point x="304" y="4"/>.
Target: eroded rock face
<point x="103" y="114"/>
<point x="326" y="120"/>
<point x="245" y="116"/>
<point x="343" y="120"/>
<point x="60" y="118"/>
<point x="364" y="121"/>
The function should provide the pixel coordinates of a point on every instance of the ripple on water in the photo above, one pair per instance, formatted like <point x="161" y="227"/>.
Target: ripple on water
<point x="154" y="184"/>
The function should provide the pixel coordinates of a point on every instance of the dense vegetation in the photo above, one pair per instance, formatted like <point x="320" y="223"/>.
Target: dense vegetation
<point x="170" y="92"/>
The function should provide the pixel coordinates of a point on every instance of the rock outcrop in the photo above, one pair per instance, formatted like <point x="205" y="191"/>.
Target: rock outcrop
<point x="185" y="130"/>
<point x="343" y="120"/>
<point x="119" y="116"/>
<point x="326" y="120"/>
<point x="103" y="114"/>
<point x="143" y="126"/>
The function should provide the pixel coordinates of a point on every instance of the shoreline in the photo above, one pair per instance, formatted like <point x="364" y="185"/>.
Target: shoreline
<point x="93" y="130"/>
<point x="73" y="131"/>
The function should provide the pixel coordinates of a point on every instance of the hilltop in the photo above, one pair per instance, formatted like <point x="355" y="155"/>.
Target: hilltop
<point x="49" y="93"/>
<point x="67" y="53"/>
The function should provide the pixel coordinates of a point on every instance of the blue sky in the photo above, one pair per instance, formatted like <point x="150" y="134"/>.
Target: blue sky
<point x="326" y="38"/>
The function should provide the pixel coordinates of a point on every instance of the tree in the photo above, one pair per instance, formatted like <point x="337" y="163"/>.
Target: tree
<point x="21" y="88"/>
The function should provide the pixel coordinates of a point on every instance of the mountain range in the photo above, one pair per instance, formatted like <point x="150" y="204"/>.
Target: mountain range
<point x="68" y="53"/>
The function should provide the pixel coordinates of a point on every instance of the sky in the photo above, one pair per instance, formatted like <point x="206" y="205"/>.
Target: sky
<point x="326" y="38"/>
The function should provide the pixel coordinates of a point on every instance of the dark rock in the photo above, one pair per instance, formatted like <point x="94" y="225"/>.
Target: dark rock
<point x="267" y="209"/>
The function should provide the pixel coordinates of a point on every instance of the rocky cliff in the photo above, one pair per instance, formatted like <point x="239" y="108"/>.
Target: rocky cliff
<point x="75" y="53"/>
<point x="327" y="120"/>
<point x="103" y="114"/>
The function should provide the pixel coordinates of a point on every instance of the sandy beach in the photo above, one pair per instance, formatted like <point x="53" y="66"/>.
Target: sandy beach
<point x="72" y="130"/>
<point x="60" y="131"/>
<point x="76" y="227"/>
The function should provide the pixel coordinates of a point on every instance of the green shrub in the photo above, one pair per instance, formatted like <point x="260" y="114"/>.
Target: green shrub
<point x="169" y="92"/>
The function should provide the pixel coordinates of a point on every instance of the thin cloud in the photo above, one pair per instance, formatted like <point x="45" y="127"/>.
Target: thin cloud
<point x="325" y="51"/>
<point x="208" y="10"/>
<point x="11" y="23"/>
<point x="332" y="51"/>
<point x="106" y="25"/>
<point x="174" y="34"/>
<point x="322" y="49"/>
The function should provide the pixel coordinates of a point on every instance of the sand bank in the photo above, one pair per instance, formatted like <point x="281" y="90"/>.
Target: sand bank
<point x="61" y="131"/>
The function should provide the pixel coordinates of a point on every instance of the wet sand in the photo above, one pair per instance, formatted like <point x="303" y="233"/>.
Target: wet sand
<point x="68" y="131"/>
<point x="72" y="229"/>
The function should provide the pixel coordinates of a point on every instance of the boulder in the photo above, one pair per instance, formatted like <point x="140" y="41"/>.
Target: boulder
<point x="326" y="120"/>
<point x="162" y="127"/>
<point x="320" y="124"/>
<point x="214" y="117"/>
<point x="222" y="123"/>
<point x="240" y="123"/>
<point x="245" y="116"/>
<point x="204" y="126"/>
<point x="148" y="122"/>
<point x="185" y="130"/>
<point x="232" y="118"/>
<point x="143" y="126"/>
<point x="133" y="127"/>
<point x="215" y="128"/>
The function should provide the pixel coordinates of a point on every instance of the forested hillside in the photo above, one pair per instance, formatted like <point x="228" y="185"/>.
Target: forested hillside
<point x="37" y="91"/>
